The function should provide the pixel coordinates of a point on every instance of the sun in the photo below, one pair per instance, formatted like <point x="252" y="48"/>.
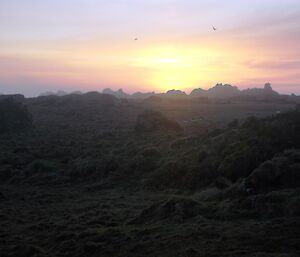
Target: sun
<point x="167" y="68"/>
<point x="171" y="60"/>
<point x="173" y="78"/>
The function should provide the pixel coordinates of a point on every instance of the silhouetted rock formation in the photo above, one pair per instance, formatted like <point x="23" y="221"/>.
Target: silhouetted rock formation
<point x="218" y="91"/>
<point x="175" y="93"/>
<point x="119" y="93"/>
<point x="58" y="93"/>
<point x="141" y="95"/>
<point x="199" y="92"/>
<point x="223" y="91"/>
<point x="152" y="121"/>
<point x="228" y="91"/>
<point x="267" y="91"/>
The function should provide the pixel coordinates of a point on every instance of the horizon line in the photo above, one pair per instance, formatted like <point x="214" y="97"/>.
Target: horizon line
<point x="121" y="89"/>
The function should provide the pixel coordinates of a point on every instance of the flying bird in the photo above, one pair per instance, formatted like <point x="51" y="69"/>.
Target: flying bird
<point x="214" y="28"/>
<point x="136" y="39"/>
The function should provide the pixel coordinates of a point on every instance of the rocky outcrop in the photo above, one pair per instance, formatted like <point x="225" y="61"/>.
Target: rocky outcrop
<point x="140" y="95"/>
<point x="199" y="92"/>
<point x="175" y="93"/>
<point x="119" y="93"/>
<point x="283" y="171"/>
<point x="267" y="91"/>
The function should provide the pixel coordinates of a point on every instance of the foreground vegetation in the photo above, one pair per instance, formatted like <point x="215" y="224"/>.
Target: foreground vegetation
<point x="93" y="175"/>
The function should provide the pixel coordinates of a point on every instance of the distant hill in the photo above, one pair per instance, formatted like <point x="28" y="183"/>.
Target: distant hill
<point x="119" y="93"/>
<point x="175" y="93"/>
<point x="219" y="91"/>
<point x="199" y="92"/>
<point x="48" y="93"/>
<point x="58" y="93"/>
<point x="228" y="91"/>
<point x="223" y="91"/>
<point x="87" y="99"/>
<point x="266" y="91"/>
<point x="142" y="95"/>
<point x="76" y="93"/>
<point x="16" y="97"/>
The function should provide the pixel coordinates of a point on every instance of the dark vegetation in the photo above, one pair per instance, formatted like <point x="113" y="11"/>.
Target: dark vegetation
<point x="14" y="116"/>
<point x="154" y="121"/>
<point x="94" y="175"/>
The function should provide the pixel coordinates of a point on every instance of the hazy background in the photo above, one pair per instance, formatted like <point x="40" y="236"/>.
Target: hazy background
<point x="89" y="44"/>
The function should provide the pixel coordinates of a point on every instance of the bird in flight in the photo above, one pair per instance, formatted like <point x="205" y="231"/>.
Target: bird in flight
<point x="214" y="28"/>
<point x="136" y="39"/>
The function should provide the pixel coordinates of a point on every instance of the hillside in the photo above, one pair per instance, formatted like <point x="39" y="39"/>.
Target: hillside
<point x="96" y="175"/>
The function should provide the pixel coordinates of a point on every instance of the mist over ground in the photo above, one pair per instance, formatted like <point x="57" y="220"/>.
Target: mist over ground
<point x="92" y="174"/>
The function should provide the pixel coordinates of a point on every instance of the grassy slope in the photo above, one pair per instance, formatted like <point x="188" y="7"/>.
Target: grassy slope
<point x="86" y="185"/>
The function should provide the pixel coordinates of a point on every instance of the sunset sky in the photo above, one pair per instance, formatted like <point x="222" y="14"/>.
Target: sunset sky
<point x="88" y="45"/>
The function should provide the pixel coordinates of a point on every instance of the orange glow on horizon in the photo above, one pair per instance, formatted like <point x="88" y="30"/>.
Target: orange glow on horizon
<point x="148" y="45"/>
<point x="140" y="67"/>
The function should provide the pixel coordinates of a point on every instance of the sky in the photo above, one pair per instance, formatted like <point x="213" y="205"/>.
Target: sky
<point x="90" y="45"/>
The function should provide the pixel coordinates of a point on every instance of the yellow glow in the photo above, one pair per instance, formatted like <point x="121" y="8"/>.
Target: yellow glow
<point x="168" y="60"/>
<point x="135" y="67"/>
<point x="179" y="67"/>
